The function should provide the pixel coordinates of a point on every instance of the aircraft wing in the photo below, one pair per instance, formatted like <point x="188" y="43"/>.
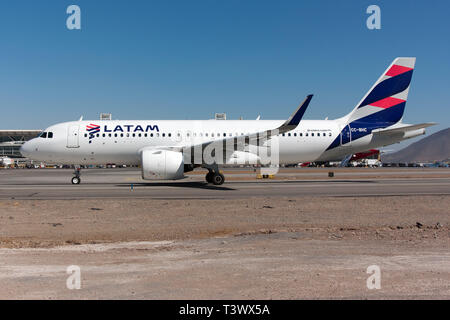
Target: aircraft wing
<point x="239" y="142"/>
<point x="403" y="128"/>
<point x="259" y="137"/>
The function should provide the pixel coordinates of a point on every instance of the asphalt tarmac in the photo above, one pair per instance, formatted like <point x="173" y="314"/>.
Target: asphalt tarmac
<point x="22" y="184"/>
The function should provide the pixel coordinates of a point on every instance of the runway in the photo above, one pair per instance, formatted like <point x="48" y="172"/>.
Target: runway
<point x="240" y="183"/>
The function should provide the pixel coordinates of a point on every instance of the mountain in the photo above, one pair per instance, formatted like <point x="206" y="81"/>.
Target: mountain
<point x="432" y="148"/>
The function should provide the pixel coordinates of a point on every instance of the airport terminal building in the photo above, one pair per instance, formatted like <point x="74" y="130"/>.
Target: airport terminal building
<point x="11" y="140"/>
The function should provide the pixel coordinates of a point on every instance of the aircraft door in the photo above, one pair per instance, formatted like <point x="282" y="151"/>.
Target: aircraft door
<point x="73" y="137"/>
<point x="346" y="136"/>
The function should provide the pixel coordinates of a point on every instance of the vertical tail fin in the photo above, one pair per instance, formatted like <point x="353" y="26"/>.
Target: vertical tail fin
<point x="385" y="101"/>
<point x="382" y="106"/>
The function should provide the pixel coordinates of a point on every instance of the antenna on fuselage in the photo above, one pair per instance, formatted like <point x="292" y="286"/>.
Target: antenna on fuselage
<point x="81" y="118"/>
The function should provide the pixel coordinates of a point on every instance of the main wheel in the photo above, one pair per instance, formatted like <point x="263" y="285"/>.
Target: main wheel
<point x="218" y="179"/>
<point x="209" y="177"/>
<point x="76" y="180"/>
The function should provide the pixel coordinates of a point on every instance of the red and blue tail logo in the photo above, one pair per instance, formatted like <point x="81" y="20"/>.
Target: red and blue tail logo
<point x="383" y="105"/>
<point x="391" y="89"/>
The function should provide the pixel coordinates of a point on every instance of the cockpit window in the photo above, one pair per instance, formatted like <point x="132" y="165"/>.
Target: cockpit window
<point x="46" y="135"/>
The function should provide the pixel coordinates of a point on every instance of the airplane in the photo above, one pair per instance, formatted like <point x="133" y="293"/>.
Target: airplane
<point x="166" y="149"/>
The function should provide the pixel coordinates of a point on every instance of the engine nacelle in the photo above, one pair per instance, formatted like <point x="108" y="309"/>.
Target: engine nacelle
<point x="162" y="165"/>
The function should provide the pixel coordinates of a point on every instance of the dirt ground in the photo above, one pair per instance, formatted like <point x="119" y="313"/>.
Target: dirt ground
<point x="258" y="248"/>
<point x="47" y="223"/>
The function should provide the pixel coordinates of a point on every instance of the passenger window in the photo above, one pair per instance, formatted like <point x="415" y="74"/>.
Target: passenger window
<point x="212" y="134"/>
<point x="329" y="134"/>
<point x="169" y="134"/>
<point x="289" y="134"/>
<point x="163" y="134"/>
<point x="98" y="135"/>
<point x="121" y="134"/>
<point x="324" y="134"/>
<point x="134" y="135"/>
<point x="151" y="134"/>
<point x="85" y="135"/>
<point x="312" y="134"/>
<point x="307" y="134"/>
<point x="115" y="135"/>
<point x="284" y="134"/>
<point x="109" y="135"/>
<point x="206" y="134"/>
<point x="295" y="134"/>
<point x="104" y="135"/>
<point x="301" y="134"/>
<point x="145" y="135"/>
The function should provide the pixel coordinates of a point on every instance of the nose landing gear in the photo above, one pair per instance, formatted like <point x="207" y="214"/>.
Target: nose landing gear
<point x="76" y="179"/>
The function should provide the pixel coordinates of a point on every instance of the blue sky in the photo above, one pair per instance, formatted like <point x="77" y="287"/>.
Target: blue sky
<point x="189" y="59"/>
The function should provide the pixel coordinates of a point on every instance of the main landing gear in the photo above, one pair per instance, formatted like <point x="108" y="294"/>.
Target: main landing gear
<point x="76" y="179"/>
<point x="214" y="176"/>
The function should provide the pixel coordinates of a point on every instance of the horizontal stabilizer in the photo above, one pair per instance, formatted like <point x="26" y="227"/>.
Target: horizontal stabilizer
<point x="403" y="128"/>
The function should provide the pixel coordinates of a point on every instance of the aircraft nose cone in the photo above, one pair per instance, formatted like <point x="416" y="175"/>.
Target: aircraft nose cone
<point x="25" y="149"/>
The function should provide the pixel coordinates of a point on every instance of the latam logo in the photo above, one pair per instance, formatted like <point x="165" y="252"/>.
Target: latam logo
<point x="93" y="129"/>
<point x="132" y="128"/>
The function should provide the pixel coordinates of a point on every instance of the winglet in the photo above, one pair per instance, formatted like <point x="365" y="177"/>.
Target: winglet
<point x="295" y="118"/>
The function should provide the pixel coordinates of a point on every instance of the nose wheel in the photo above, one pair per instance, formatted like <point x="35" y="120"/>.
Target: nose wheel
<point x="76" y="179"/>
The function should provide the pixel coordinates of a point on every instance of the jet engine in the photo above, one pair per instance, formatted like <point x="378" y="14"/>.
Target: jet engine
<point x="162" y="165"/>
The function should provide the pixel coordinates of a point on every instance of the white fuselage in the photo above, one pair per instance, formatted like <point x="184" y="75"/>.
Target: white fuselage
<point x="120" y="142"/>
